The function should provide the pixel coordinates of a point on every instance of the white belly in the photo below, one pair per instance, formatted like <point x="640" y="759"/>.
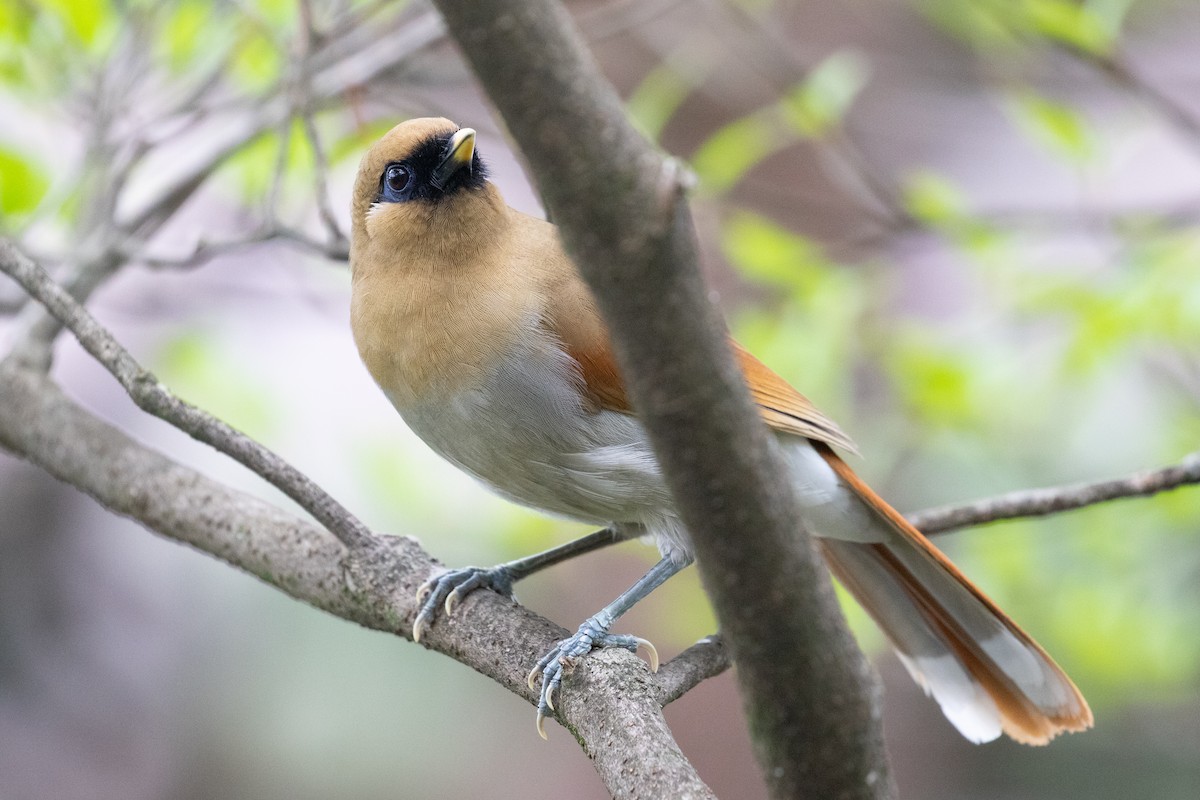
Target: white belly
<point x="526" y="434"/>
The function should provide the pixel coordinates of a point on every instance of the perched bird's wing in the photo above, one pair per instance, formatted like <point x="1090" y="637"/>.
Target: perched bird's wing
<point x="781" y="407"/>
<point x="602" y="381"/>
<point x="571" y="317"/>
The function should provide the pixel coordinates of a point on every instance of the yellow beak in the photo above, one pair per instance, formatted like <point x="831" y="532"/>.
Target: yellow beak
<point x="460" y="151"/>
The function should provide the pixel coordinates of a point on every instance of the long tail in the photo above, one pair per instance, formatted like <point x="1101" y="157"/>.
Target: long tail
<point x="986" y="673"/>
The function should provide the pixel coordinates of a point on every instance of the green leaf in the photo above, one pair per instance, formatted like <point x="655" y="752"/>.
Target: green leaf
<point x="88" y="21"/>
<point x="183" y="35"/>
<point x="1003" y="26"/>
<point x="22" y="184"/>
<point x="814" y="326"/>
<point x="983" y="25"/>
<point x="933" y="199"/>
<point x="657" y="98"/>
<point x="280" y="14"/>
<point x="254" y="165"/>
<point x="815" y="106"/>
<point x="822" y="99"/>
<point x="1072" y="23"/>
<point x="257" y="62"/>
<point x="767" y="253"/>
<point x="934" y="381"/>
<point x="1056" y="127"/>
<point x="735" y="149"/>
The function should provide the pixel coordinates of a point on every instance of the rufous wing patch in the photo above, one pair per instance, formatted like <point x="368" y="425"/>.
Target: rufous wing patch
<point x="573" y="319"/>
<point x="602" y="382"/>
<point x="782" y="407"/>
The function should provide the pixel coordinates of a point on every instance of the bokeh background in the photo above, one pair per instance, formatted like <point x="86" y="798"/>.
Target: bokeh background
<point x="968" y="229"/>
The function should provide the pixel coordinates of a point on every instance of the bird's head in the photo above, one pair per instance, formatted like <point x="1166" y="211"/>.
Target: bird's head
<point x="423" y="186"/>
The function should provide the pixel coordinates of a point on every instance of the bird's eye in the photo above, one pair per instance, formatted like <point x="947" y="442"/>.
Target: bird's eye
<point x="396" y="178"/>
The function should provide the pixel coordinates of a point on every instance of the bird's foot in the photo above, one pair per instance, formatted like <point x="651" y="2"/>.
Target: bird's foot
<point x="448" y="589"/>
<point x="555" y="664"/>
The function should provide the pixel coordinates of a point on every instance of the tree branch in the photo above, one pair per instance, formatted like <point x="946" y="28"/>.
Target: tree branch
<point x="154" y="398"/>
<point x="705" y="659"/>
<point x="1041" y="502"/>
<point x="808" y="691"/>
<point x="204" y="251"/>
<point x="621" y="726"/>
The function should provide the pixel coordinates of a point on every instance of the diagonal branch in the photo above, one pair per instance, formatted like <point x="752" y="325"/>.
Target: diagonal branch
<point x="1042" y="502"/>
<point x="154" y="398"/>
<point x="807" y="690"/>
<point x="705" y="659"/>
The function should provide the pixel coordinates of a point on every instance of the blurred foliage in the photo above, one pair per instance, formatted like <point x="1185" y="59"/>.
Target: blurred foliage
<point x="199" y="372"/>
<point x="1044" y="367"/>
<point x="22" y="184"/>
<point x="54" y="55"/>
<point x="1035" y="341"/>
<point x="1054" y="126"/>
<point x="1091" y="26"/>
<point x="810" y="110"/>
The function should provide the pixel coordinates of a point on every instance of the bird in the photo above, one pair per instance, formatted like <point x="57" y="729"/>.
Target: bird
<point x="481" y="332"/>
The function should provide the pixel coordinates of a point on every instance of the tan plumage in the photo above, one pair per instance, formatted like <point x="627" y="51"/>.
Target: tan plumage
<point x="478" y="327"/>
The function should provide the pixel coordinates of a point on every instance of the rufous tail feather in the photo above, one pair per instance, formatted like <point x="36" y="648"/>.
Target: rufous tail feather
<point x="987" y="674"/>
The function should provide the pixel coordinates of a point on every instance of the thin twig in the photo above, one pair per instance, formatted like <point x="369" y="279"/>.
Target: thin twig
<point x="303" y="91"/>
<point x="710" y="656"/>
<point x="154" y="398"/>
<point x="204" y="252"/>
<point x="1120" y="71"/>
<point x="1041" y="502"/>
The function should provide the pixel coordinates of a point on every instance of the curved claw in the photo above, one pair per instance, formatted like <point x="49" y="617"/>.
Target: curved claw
<point x="553" y="666"/>
<point x="418" y="626"/>
<point x="533" y="673"/>
<point x="651" y="652"/>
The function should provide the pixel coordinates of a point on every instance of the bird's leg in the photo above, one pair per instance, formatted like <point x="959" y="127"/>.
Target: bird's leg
<point x="594" y="633"/>
<point x="447" y="589"/>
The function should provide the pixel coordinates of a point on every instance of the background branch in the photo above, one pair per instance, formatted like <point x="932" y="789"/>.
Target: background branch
<point x="1041" y="502"/>
<point x="139" y="219"/>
